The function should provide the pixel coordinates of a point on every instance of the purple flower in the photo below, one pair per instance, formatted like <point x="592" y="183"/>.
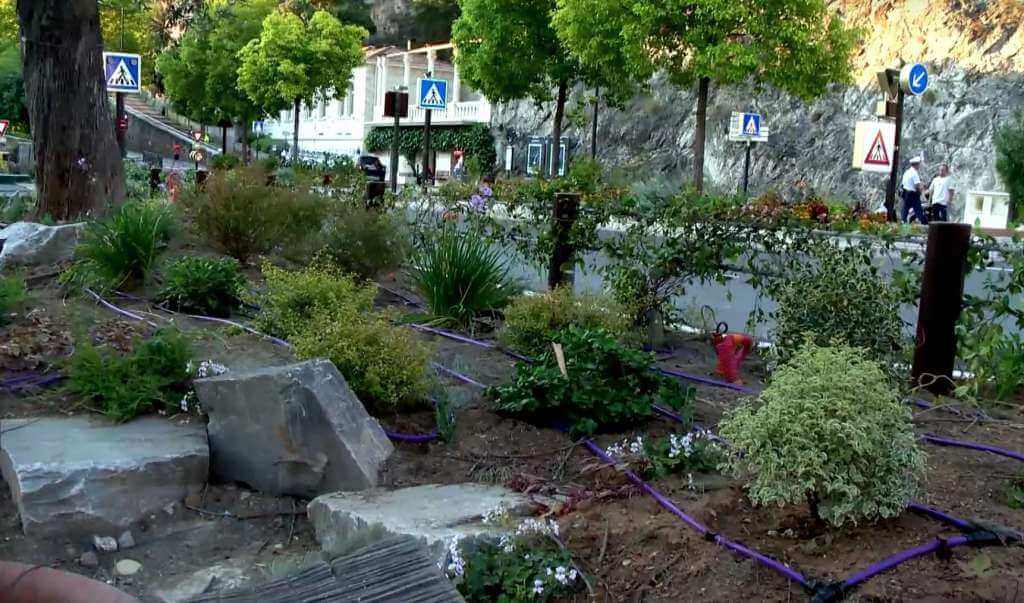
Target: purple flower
<point x="477" y="202"/>
<point x="486" y="190"/>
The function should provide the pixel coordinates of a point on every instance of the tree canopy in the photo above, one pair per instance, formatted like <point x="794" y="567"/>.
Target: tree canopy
<point x="1009" y="142"/>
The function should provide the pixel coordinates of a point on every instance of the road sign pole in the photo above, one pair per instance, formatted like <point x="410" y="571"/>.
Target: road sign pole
<point x="395" y="143"/>
<point x="890" y="193"/>
<point x="427" y="171"/>
<point x="746" y="170"/>
<point x="121" y="133"/>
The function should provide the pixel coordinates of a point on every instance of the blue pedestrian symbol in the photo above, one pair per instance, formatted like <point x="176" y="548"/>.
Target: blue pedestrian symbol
<point x="751" y="124"/>
<point x="433" y="94"/>
<point x="914" y="79"/>
<point x="122" y="72"/>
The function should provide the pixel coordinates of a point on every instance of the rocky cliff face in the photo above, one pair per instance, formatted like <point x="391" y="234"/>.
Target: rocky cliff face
<point x="973" y="48"/>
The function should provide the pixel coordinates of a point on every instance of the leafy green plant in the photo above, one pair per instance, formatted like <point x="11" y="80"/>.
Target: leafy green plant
<point x="527" y="564"/>
<point x="531" y="320"/>
<point x="828" y="430"/>
<point x="12" y="296"/>
<point x="136" y="180"/>
<point x="607" y="385"/>
<point x="121" y="250"/>
<point x="154" y="375"/>
<point x="1015" y="492"/>
<point x="201" y="285"/>
<point x="16" y="208"/>
<point x="1009" y="143"/>
<point x="328" y="315"/>
<point x="477" y="141"/>
<point x="461" y="276"/>
<point x="836" y="294"/>
<point x="241" y="215"/>
<point x="225" y="162"/>
<point x="689" y="453"/>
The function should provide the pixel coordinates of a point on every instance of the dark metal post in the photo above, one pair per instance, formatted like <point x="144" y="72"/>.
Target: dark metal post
<point x="593" y="135"/>
<point x="427" y="171"/>
<point x="746" y="170"/>
<point x="121" y="130"/>
<point x="567" y="209"/>
<point x="942" y="293"/>
<point x="890" y="193"/>
<point x="395" y="143"/>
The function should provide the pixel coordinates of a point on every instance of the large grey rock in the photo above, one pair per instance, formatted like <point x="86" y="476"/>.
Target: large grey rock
<point x="297" y="430"/>
<point x="82" y="476"/>
<point x="30" y="244"/>
<point x="434" y="514"/>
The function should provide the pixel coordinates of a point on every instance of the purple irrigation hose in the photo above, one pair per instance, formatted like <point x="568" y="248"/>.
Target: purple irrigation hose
<point x="453" y="336"/>
<point x="120" y="311"/>
<point x="13" y="381"/>
<point x="414" y="438"/>
<point x="668" y="505"/>
<point x="707" y="381"/>
<point x="939" y="441"/>
<point x="902" y="557"/>
<point x="960" y="524"/>
<point x="458" y="376"/>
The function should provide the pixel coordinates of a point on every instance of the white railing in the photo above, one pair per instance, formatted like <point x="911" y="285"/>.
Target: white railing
<point x="462" y="112"/>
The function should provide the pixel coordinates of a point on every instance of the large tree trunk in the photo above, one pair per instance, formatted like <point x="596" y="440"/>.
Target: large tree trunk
<point x="556" y="130"/>
<point x="700" y="133"/>
<point x="295" y="133"/>
<point x="78" y="164"/>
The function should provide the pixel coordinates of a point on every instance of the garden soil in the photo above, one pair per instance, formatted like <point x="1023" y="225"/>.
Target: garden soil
<point x="629" y="547"/>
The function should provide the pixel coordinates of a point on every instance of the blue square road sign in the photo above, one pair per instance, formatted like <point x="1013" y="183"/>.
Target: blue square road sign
<point x="432" y="94"/>
<point x="122" y="72"/>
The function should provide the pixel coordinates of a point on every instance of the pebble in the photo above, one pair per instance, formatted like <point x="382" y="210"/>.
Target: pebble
<point x="89" y="559"/>
<point x="104" y="544"/>
<point x="125" y="540"/>
<point x="127" y="567"/>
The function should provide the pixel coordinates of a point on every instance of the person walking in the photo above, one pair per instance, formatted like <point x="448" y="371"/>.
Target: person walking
<point x="911" y="192"/>
<point x="941" y="193"/>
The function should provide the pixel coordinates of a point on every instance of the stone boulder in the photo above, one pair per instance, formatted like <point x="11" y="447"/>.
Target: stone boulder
<point x="30" y="244"/>
<point x="434" y="514"/>
<point x="80" y="476"/>
<point x="297" y="430"/>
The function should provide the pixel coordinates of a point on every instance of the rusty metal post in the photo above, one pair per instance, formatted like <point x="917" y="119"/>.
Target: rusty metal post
<point x="566" y="210"/>
<point x="942" y="296"/>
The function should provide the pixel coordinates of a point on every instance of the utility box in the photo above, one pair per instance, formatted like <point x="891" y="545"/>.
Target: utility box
<point x="987" y="209"/>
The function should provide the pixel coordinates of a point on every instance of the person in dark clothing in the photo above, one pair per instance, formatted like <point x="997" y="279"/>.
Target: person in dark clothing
<point x="911" y="190"/>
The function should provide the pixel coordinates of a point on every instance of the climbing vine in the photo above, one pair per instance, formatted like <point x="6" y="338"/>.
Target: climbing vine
<point x="476" y="140"/>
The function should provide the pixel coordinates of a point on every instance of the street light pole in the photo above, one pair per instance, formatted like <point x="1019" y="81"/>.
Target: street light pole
<point x="120" y="133"/>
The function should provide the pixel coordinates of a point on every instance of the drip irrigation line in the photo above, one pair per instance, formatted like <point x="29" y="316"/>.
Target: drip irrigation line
<point x="412" y="438"/>
<point x="960" y="524"/>
<point x="457" y="375"/>
<point x="939" y="441"/>
<point x="707" y="381"/>
<point x="120" y="311"/>
<point x="453" y="336"/>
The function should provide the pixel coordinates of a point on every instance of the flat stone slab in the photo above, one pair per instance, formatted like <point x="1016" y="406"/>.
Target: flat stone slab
<point x="433" y="514"/>
<point x="82" y="476"/>
<point x="31" y="244"/>
<point x="297" y="430"/>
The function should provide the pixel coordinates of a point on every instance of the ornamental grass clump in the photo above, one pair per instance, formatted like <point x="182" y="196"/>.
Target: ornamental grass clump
<point x="12" y="295"/>
<point x="829" y="430"/>
<point x="532" y="320"/>
<point x="606" y="385"/>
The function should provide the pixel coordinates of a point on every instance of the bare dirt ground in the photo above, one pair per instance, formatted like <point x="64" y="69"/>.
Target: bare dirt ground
<point x="631" y="549"/>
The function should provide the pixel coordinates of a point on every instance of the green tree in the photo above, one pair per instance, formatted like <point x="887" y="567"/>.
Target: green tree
<point x="294" y="61"/>
<point x="508" y="50"/>
<point x="8" y="24"/>
<point x="1009" y="141"/>
<point x="352" y="12"/>
<point x="793" y="45"/>
<point x="200" y="74"/>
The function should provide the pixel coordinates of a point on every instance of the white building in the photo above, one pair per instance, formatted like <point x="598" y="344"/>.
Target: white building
<point x="340" y="127"/>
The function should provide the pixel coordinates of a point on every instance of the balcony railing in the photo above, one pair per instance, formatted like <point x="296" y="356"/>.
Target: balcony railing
<point x="456" y="113"/>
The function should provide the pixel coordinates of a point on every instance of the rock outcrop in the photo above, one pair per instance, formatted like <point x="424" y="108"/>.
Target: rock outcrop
<point x="27" y="244"/>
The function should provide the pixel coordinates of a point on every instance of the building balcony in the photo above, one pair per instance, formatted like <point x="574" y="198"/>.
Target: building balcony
<point x="456" y="114"/>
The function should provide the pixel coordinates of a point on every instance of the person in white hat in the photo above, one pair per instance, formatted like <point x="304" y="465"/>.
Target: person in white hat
<point x="911" y="192"/>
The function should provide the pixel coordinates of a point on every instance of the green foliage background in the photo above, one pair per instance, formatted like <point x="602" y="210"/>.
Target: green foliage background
<point x="476" y="140"/>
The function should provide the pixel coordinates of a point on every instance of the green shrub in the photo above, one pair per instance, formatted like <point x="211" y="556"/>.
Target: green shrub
<point x="830" y="431"/>
<point x="461" y="276"/>
<point x="16" y="208"/>
<point x="12" y="296"/>
<point x="121" y="250"/>
<point x="328" y="315"/>
<point x="608" y="386"/>
<point x="532" y="320"/>
<point x="357" y="241"/>
<point x="200" y="285"/>
<point x="136" y="181"/>
<point x="237" y="212"/>
<point x="1009" y="143"/>
<point x="154" y="375"/>
<point x="1014" y="491"/>
<point x="225" y="162"/>
<point x="836" y="295"/>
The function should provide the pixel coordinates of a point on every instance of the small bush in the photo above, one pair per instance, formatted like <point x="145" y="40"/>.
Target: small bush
<point x="225" y="162"/>
<point x="461" y="276"/>
<point x="199" y="285"/>
<point x="240" y="214"/>
<point x="16" y="208"/>
<point x="830" y="431"/>
<point x="328" y="315"/>
<point x="12" y="296"/>
<point x="1015" y="492"/>
<point x="136" y="181"/>
<point x="608" y="385"/>
<point x="837" y="295"/>
<point x="121" y="250"/>
<point x="154" y="375"/>
<point x="532" y="320"/>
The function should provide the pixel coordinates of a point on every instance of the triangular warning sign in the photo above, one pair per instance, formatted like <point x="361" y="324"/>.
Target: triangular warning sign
<point x="877" y="153"/>
<point x="122" y="76"/>
<point x="3" y="126"/>
<point x="432" y="97"/>
<point x="751" y="128"/>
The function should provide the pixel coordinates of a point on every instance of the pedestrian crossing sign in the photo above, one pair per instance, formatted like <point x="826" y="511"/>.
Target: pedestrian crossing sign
<point x="123" y="72"/>
<point x="873" y="144"/>
<point x="433" y="94"/>
<point x="877" y="153"/>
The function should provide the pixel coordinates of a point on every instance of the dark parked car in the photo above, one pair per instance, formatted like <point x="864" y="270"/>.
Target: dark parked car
<point x="372" y="167"/>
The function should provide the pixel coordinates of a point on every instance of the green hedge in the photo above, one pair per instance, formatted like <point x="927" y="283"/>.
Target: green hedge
<point x="475" y="140"/>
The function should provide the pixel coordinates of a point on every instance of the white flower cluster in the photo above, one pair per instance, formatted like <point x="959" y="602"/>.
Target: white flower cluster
<point x="496" y="516"/>
<point x="635" y="448"/>
<point x="562" y="575"/>
<point x="207" y="368"/>
<point x="536" y="526"/>
<point x="456" y="564"/>
<point x="680" y="445"/>
<point x="507" y="543"/>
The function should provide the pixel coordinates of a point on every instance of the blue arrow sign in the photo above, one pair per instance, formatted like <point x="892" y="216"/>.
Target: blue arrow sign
<point x="433" y="94"/>
<point x="123" y="72"/>
<point x="914" y="79"/>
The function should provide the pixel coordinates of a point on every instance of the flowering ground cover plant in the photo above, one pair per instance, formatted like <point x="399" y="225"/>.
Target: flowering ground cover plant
<point x="527" y="563"/>
<point x="686" y="453"/>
